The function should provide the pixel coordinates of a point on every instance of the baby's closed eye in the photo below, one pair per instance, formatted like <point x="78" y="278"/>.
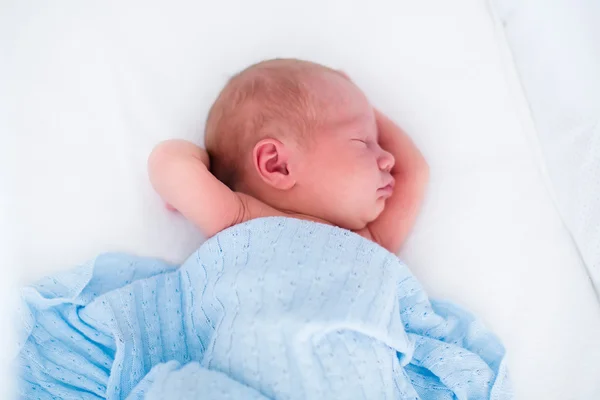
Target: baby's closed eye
<point x="363" y="141"/>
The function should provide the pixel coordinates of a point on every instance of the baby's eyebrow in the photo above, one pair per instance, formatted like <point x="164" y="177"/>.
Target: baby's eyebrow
<point x="337" y="124"/>
<point x="355" y="120"/>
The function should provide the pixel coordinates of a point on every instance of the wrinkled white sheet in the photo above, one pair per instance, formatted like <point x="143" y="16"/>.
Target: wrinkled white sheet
<point x="559" y="67"/>
<point x="93" y="86"/>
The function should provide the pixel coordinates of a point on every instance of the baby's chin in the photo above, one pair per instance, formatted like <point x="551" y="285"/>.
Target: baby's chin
<point x="376" y="210"/>
<point x="365" y="218"/>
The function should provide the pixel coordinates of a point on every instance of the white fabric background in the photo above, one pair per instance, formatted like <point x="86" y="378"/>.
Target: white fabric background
<point x="93" y="86"/>
<point x="559" y="66"/>
<point x="8" y="222"/>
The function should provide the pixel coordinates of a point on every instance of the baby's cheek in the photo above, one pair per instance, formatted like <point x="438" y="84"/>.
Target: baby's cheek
<point x="376" y="210"/>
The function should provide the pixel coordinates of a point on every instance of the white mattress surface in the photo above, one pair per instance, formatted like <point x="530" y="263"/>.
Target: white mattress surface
<point x="93" y="86"/>
<point x="559" y="67"/>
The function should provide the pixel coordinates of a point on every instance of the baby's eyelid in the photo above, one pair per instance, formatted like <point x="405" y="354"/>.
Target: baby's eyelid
<point x="361" y="140"/>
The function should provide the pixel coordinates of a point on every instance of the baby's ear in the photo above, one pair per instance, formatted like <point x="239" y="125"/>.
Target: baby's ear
<point x="271" y="160"/>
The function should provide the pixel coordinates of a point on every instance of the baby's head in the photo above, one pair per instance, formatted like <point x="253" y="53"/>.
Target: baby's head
<point x="302" y="138"/>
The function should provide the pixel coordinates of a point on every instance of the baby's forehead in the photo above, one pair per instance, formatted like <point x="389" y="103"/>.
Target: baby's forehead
<point x="341" y="103"/>
<point x="349" y="114"/>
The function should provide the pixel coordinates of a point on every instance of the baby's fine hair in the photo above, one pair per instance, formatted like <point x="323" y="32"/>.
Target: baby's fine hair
<point x="268" y="99"/>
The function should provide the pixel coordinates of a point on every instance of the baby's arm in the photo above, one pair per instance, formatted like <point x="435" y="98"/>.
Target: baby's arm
<point x="179" y="172"/>
<point x="411" y="172"/>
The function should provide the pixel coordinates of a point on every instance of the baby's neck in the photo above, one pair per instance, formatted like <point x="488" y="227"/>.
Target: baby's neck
<point x="276" y="205"/>
<point x="306" y="217"/>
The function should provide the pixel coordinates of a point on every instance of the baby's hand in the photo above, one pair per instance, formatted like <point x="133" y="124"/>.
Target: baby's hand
<point x="411" y="173"/>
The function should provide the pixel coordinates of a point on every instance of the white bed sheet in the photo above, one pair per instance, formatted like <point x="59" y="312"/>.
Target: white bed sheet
<point x="93" y="86"/>
<point x="559" y="67"/>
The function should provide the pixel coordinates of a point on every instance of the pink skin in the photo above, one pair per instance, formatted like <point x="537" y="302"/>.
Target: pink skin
<point x="348" y="180"/>
<point x="358" y="170"/>
<point x="343" y="177"/>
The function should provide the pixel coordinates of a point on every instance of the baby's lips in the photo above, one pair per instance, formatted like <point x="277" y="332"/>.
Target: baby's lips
<point x="391" y="182"/>
<point x="386" y="191"/>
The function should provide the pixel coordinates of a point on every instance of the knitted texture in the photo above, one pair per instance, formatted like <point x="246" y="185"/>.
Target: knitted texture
<point x="273" y="308"/>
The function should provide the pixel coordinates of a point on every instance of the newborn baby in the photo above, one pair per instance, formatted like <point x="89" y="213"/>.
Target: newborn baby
<point x="293" y="138"/>
<point x="286" y="307"/>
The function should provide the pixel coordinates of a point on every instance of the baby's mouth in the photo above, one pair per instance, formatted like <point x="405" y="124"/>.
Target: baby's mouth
<point x="388" y="189"/>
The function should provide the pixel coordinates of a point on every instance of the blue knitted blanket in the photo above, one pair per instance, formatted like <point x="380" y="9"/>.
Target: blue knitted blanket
<point x="273" y="308"/>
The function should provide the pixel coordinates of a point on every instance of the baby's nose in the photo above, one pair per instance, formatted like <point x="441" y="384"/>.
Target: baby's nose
<point x="386" y="161"/>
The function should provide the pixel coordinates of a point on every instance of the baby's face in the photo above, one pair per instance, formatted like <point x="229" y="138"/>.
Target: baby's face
<point x="344" y="174"/>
